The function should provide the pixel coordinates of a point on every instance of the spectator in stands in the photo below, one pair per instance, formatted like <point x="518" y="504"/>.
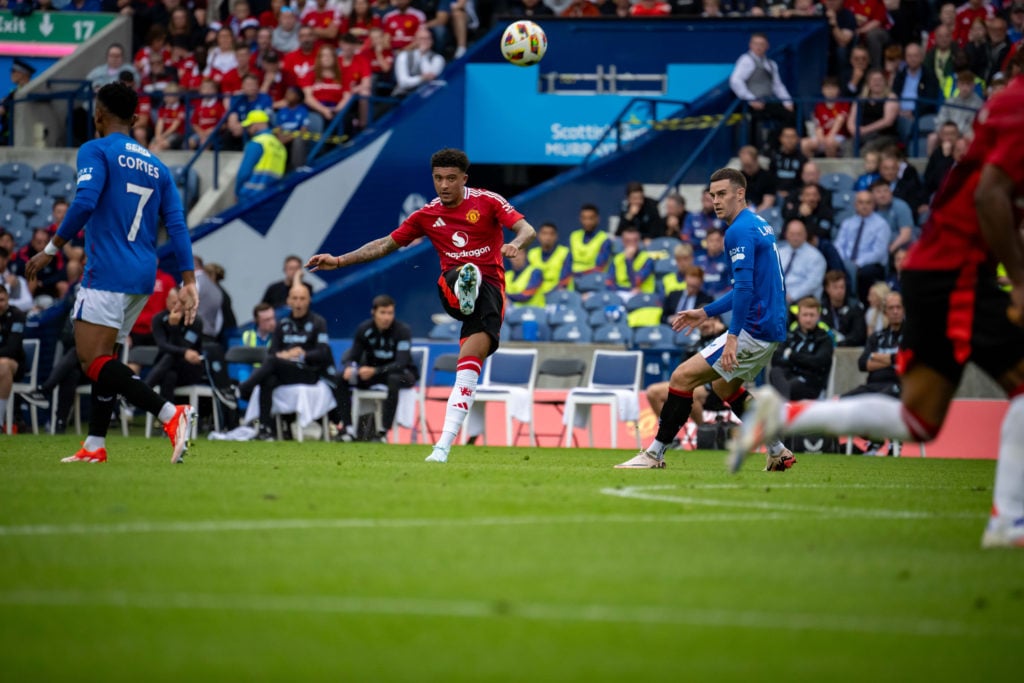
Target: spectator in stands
<point x="276" y="293"/>
<point x="356" y="78"/>
<point x="264" y="159"/>
<point x="18" y="293"/>
<point x="579" y="8"/>
<point x="998" y="47"/>
<point x="940" y="158"/>
<point x="12" y="353"/>
<point x="808" y="208"/>
<point x="760" y="183"/>
<point x="873" y="117"/>
<point x="903" y="179"/>
<point x="632" y="270"/>
<point x="919" y="91"/>
<point x="893" y="281"/>
<point x="21" y="73"/>
<point x="523" y="282"/>
<point x="263" y="49"/>
<point x="222" y="58"/>
<point x="182" y="30"/>
<point x="650" y="8"/>
<point x="292" y="119"/>
<point x="892" y="60"/>
<point x="863" y="244"/>
<point x="786" y="163"/>
<point x="298" y="65"/>
<point x="264" y="324"/>
<point x="553" y="260"/>
<point x="158" y="76"/>
<point x="1016" y="28"/>
<point x="896" y="212"/>
<point x="206" y="113"/>
<point x="285" y="37"/>
<point x="381" y="353"/>
<point x="530" y="9"/>
<point x="675" y="216"/>
<point x="715" y="263"/>
<point x="323" y="22"/>
<point x="841" y="313"/>
<point x="52" y="280"/>
<point x="156" y="46"/>
<point x="976" y="49"/>
<point x="360" y="20"/>
<point x="756" y="80"/>
<point x="273" y="82"/>
<point x="855" y="75"/>
<point x="325" y="93"/>
<point x="464" y="21"/>
<point x="590" y="248"/>
<point x="170" y="121"/>
<point x="943" y="54"/>
<point x="803" y="266"/>
<point x="874" y="313"/>
<point x="299" y="353"/>
<point x="641" y="212"/>
<point x="801" y="364"/>
<point x="879" y="357"/>
<point x="690" y="296"/>
<point x="417" y="65"/>
<point x="180" y="362"/>
<point x="967" y="15"/>
<point x="402" y="22"/>
<point x="842" y="26"/>
<point x="249" y="100"/>
<point x="673" y="282"/>
<point x="946" y="20"/>
<point x="189" y="65"/>
<point x="871" y="159"/>
<point x="110" y="71"/>
<point x="873" y="24"/>
<point x="830" y="118"/>
<point x="698" y="224"/>
<point x="962" y="107"/>
<point x="382" y="61"/>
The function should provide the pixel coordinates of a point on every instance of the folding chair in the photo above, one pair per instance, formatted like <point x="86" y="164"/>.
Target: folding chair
<point x="143" y="355"/>
<point x="30" y="380"/>
<point x="556" y="371"/>
<point x="308" y="402"/>
<point x="509" y="377"/>
<point x="420" y="358"/>
<point x="615" y="382"/>
<point x="446" y="362"/>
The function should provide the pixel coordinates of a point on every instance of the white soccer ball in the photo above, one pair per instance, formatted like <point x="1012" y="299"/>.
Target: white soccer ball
<point x="523" y="43"/>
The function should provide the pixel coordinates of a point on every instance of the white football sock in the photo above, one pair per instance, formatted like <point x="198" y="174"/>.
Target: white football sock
<point x="1009" y="489"/>
<point x="657" y="449"/>
<point x="93" y="443"/>
<point x="872" y="415"/>
<point x="166" y="413"/>
<point x="460" y="400"/>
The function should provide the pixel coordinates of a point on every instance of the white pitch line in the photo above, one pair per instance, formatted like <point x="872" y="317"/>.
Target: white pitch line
<point x="645" y="493"/>
<point x="215" y="526"/>
<point x="504" y="609"/>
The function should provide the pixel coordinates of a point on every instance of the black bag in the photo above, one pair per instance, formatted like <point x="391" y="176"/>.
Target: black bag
<point x="366" y="430"/>
<point x="712" y="436"/>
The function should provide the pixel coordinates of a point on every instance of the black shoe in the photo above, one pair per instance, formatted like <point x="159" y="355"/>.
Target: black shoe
<point x="382" y="437"/>
<point x="265" y="434"/>
<point x="36" y="398"/>
<point x="60" y="427"/>
<point x="229" y="396"/>
<point x="343" y="437"/>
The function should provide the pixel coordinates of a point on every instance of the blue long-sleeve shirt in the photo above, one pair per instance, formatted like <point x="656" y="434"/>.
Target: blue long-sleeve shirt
<point x="874" y="240"/>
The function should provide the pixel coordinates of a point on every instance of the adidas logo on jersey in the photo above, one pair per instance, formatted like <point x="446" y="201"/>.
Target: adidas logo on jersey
<point x="439" y="223"/>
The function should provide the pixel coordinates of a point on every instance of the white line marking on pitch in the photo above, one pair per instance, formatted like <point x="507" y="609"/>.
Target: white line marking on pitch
<point x="504" y="609"/>
<point x="648" y="493"/>
<point x="213" y="526"/>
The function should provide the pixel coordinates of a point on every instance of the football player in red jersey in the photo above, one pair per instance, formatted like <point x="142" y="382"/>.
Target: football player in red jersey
<point x="956" y="312"/>
<point x="465" y="225"/>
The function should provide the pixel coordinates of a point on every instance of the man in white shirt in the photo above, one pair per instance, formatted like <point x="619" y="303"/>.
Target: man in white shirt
<point x="17" y="287"/>
<point x="803" y="266"/>
<point x="418" y="64"/>
<point x="756" y="79"/>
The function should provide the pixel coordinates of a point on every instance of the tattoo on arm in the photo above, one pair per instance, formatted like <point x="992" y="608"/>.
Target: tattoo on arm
<point x="524" y="234"/>
<point x="371" y="251"/>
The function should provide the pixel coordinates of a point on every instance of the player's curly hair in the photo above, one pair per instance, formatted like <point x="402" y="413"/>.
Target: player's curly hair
<point x="119" y="100"/>
<point x="449" y="157"/>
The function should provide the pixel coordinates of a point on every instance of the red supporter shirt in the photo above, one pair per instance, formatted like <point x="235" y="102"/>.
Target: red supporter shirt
<point x="826" y="113"/>
<point x="401" y="26"/>
<point x="870" y="10"/>
<point x="951" y="238"/>
<point x="268" y="19"/>
<point x="658" y="9"/>
<point x="965" y="18"/>
<point x="208" y="113"/>
<point x="318" y="19"/>
<point x="144" y="110"/>
<point x="469" y="233"/>
<point x="328" y="92"/>
<point x="360" y="28"/>
<point x="169" y="115"/>
<point x="157" y="302"/>
<point x="298" y="67"/>
<point x="377" y="65"/>
<point x="356" y="71"/>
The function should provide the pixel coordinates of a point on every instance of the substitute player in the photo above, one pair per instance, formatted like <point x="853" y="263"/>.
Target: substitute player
<point x="758" y="304"/>
<point x="123" y="192"/>
<point x="955" y="312"/>
<point x="465" y="226"/>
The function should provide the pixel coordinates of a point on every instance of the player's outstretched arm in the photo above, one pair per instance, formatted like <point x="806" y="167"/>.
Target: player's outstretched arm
<point x="993" y="199"/>
<point x="371" y="251"/>
<point x="524" y="235"/>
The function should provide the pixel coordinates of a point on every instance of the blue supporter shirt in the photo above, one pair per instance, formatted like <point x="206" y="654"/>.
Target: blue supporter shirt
<point x="292" y="119"/>
<point x="123" y="192"/>
<point x="758" y="297"/>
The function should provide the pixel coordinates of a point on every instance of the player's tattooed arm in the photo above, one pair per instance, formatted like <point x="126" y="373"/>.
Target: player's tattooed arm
<point x="524" y="236"/>
<point x="370" y="251"/>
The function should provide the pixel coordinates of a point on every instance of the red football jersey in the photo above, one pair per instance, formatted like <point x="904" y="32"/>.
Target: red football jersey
<point x="358" y="69"/>
<point x="328" y="92"/>
<point x="472" y="232"/>
<point x="169" y="115"/>
<point x="966" y="16"/>
<point x="298" y="67"/>
<point x="951" y="238"/>
<point x="402" y="25"/>
<point x="208" y="113"/>
<point x="826" y="113"/>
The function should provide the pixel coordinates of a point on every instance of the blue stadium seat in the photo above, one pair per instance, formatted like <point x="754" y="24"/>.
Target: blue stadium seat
<point x="572" y="333"/>
<point x="25" y="188"/>
<point x="842" y="200"/>
<point x="7" y="205"/>
<point x="563" y="296"/>
<point x="612" y="333"/>
<point x="610" y="314"/>
<point x="643" y="301"/>
<point x="600" y="300"/>
<point x="662" y="247"/>
<point x="446" y="331"/>
<point x="591" y="282"/>
<point x="14" y="223"/>
<point x="664" y="266"/>
<point x="517" y="314"/>
<point x="564" y="314"/>
<point x="517" y="332"/>
<point x="13" y="172"/>
<point x="773" y="215"/>
<point x="55" y="173"/>
<point x="191" y="182"/>
<point x="62" y="189"/>
<point x="654" y="337"/>
<point x="616" y="245"/>
<point x="837" y="182"/>
<point x="36" y="203"/>
<point x="38" y="220"/>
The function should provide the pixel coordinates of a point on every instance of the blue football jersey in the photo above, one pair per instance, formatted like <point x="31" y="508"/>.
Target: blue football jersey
<point x="750" y="242"/>
<point x="123" y="192"/>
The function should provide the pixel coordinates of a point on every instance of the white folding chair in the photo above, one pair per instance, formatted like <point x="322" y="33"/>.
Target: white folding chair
<point x="83" y="390"/>
<point x="193" y="392"/>
<point x="30" y="380"/>
<point x="510" y="376"/>
<point x="308" y="402"/>
<point x="377" y="395"/>
<point x="615" y="382"/>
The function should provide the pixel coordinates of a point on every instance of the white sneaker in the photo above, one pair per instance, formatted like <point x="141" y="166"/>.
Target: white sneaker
<point x="467" y="288"/>
<point x="1003" y="533"/>
<point x="763" y="425"/>
<point x="439" y="454"/>
<point x="642" y="461"/>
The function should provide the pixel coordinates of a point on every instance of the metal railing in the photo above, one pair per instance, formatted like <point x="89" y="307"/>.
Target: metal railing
<point x="619" y="123"/>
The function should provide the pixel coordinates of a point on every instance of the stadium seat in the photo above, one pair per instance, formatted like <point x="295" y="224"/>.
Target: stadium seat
<point x="191" y="182"/>
<point x="14" y="222"/>
<point x="55" y="173"/>
<point x="35" y="204"/>
<point x="591" y="282"/>
<point x="65" y="190"/>
<point x="613" y="313"/>
<point x="773" y="215"/>
<point x="838" y="182"/>
<point x="517" y="315"/>
<point x="449" y="331"/>
<point x="7" y="204"/>
<point x="564" y="314"/>
<point x="654" y="337"/>
<point x="25" y="188"/>
<point x="509" y="377"/>
<point x="661" y="248"/>
<point x="663" y="267"/>
<point x="28" y="384"/>
<point x="542" y="331"/>
<point x="563" y="296"/>
<point x="612" y="333"/>
<point x="616" y="245"/>
<point x="404" y="417"/>
<point x="13" y="172"/>
<point x="557" y="370"/>
<point x="601" y="299"/>
<point x="615" y="382"/>
<point x="643" y="300"/>
<point x="842" y="201"/>
<point x="572" y="332"/>
<point x="446" y="362"/>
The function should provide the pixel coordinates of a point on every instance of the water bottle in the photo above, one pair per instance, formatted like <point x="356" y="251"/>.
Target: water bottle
<point x="530" y="330"/>
<point x="353" y="377"/>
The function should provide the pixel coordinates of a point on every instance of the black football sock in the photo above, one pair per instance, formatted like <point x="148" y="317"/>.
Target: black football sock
<point x="674" y="414"/>
<point x="116" y="378"/>
<point x="738" y="403"/>
<point x="101" y="410"/>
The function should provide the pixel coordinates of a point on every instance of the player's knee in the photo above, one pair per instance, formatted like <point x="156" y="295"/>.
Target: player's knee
<point x="657" y="392"/>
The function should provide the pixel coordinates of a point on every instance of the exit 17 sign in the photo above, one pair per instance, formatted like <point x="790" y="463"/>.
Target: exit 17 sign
<point x="48" y="34"/>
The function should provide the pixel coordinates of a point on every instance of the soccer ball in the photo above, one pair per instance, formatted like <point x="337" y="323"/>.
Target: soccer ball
<point x="523" y="43"/>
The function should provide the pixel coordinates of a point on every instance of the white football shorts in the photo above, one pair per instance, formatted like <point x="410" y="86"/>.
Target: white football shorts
<point x="109" y="309"/>
<point x="752" y="355"/>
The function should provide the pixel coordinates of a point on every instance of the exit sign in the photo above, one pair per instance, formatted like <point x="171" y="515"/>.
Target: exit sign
<point x="48" y="34"/>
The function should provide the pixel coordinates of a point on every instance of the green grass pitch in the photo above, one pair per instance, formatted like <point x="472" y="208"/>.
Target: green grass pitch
<point x="357" y="562"/>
